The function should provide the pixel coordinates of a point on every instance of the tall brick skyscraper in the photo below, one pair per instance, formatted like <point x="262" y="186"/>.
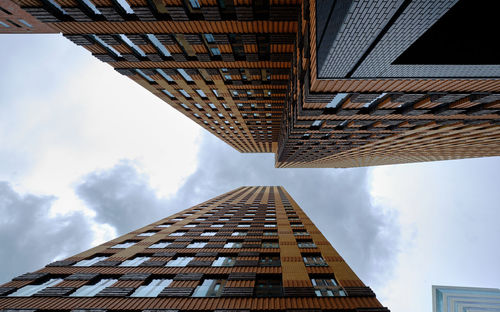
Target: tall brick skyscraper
<point x="251" y="249"/>
<point x="320" y="83"/>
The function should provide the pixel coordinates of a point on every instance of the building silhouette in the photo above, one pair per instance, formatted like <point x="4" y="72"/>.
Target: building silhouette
<point x="251" y="249"/>
<point x="320" y="83"/>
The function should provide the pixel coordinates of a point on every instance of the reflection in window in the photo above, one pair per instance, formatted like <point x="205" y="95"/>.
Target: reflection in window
<point x="224" y="261"/>
<point x="89" y="262"/>
<point x="124" y="244"/>
<point x="314" y="261"/>
<point x="196" y="245"/>
<point x="92" y="290"/>
<point x="33" y="289"/>
<point x="158" y="45"/>
<point x="327" y="287"/>
<point x="134" y="262"/>
<point x="179" y="262"/>
<point x="233" y="245"/>
<point x="209" y="288"/>
<point x="152" y="289"/>
<point x="132" y="45"/>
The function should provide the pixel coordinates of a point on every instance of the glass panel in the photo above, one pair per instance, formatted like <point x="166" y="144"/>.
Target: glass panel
<point x="179" y="262"/>
<point x="158" y="45"/>
<point x="89" y="262"/>
<point x="209" y="288"/>
<point x="92" y="290"/>
<point x="152" y="289"/>
<point x="134" y="262"/>
<point x="33" y="289"/>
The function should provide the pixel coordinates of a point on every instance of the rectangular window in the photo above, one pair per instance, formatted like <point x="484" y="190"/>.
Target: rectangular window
<point x="29" y="290"/>
<point x="92" y="290"/>
<point x="209" y="288"/>
<point x="209" y="38"/>
<point x="239" y="234"/>
<point x="224" y="261"/>
<point x="217" y="225"/>
<point x="124" y="244"/>
<point x="125" y="6"/>
<point x="269" y="225"/>
<point x="106" y="46"/>
<point x="168" y="93"/>
<point x="233" y="245"/>
<point x="196" y="245"/>
<point x="153" y="289"/>
<point x="165" y="225"/>
<point x="327" y="287"/>
<point x="201" y="93"/>
<point x="185" y="75"/>
<point x="163" y="50"/>
<point x="134" y="262"/>
<point x="143" y="75"/>
<point x="270" y="233"/>
<point x="314" y="261"/>
<point x="149" y="233"/>
<point x="177" y="234"/>
<point x="336" y="100"/>
<point x="269" y="261"/>
<point x="215" y="51"/>
<point x="91" y="6"/>
<point x="195" y="4"/>
<point x="208" y="234"/>
<point x="160" y="244"/>
<point x="243" y="225"/>
<point x="191" y="225"/>
<point x="183" y="92"/>
<point x="179" y="262"/>
<point x="306" y="244"/>
<point x="132" y="45"/>
<point x="89" y="262"/>
<point x="268" y="288"/>
<point x="164" y="75"/>
<point x="270" y="245"/>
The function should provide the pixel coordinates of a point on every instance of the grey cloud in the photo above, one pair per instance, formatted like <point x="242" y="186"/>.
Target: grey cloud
<point x="30" y="238"/>
<point x="338" y="201"/>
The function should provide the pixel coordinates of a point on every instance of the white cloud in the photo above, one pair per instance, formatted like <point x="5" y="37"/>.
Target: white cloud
<point x="449" y="215"/>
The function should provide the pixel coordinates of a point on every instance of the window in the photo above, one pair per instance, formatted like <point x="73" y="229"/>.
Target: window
<point x="327" y="287"/>
<point x="179" y="262"/>
<point x="208" y="234"/>
<point x="270" y="233"/>
<point x="160" y="244"/>
<point x="269" y="261"/>
<point x="196" y="245"/>
<point x="165" y="225"/>
<point x="124" y="244"/>
<point x="233" y="245"/>
<point x="105" y="45"/>
<point x="336" y="100"/>
<point x="153" y="289"/>
<point x="209" y="288"/>
<point x="217" y="225"/>
<point x="89" y="262"/>
<point x="165" y="75"/>
<point x="306" y="244"/>
<point x="212" y="106"/>
<point x="191" y="225"/>
<point x="239" y="233"/>
<point x="296" y="224"/>
<point x="246" y="219"/>
<point x="92" y="7"/>
<point x="224" y="261"/>
<point x="143" y="75"/>
<point x="158" y="45"/>
<point x="168" y="93"/>
<point x="134" y="262"/>
<point x="177" y="233"/>
<point x="217" y="94"/>
<point x="270" y="219"/>
<point x="209" y="38"/>
<point x="92" y="290"/>
<point x="243" y="225"/>
<point x="185" y="75"/>
<point x="201" y="93"/>
<point x="132" y="45"/>
<point x="33" y="289"/>
<point x="177" y="219"/>
<point x="268" y="288"/>
<point x="269" y="225"/>
<point x="270" y="245"/>
<point x="300" y="233"/>
<point x="215" y="51"/>
<point x="195" y="4"/>
<point x="149" y="233"/>
<point x="314" y="261"/>
<point x="126" y="7"/>
<point x="183" y="92"/>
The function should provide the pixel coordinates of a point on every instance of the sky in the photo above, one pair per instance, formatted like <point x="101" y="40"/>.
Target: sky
<point x="87" y="155"/>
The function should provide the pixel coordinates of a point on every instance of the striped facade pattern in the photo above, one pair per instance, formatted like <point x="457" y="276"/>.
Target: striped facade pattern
<point x="364" y="122"/>
<point x="277" y="228"/>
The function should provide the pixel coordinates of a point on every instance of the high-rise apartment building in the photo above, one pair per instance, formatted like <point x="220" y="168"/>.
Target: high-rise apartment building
<point x="251" y="249"/>
<point x="320" y="83"/>
<point x="461" y="299"/>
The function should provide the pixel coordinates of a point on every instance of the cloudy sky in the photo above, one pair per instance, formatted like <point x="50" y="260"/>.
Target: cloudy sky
<point x="86" y="155"/>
